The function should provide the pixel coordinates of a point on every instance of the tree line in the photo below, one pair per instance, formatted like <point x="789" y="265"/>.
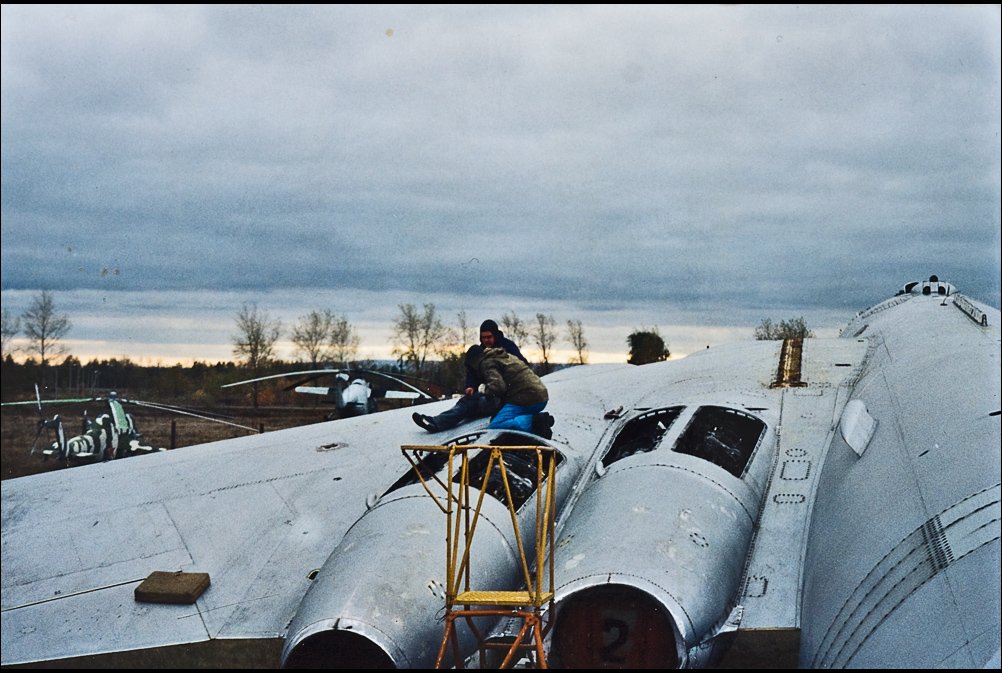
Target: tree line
<point x="422" y="343"/>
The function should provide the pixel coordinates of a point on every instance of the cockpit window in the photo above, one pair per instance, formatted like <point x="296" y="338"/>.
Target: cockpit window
<point x="722" y="436"/>
<point x="520" y="467"/>
<point x="429" y="463"/>
<point x="642" y="434"/>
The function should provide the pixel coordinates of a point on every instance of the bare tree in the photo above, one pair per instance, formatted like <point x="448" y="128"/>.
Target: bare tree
<point x="452" y="370"/>
<point x="456" y="339"/>
<point x="786" y="329"/>
<point x="514" y="328"/>
<point x="465" y="332"/>
<point x="312" y="335"/>
<point x="255" y="338"/>
<point x="575" y="334"/>
<point x="417" y="335"/>
<point x="44" y="327"/>
<point x="544" y="335"/>
<point x="11" y="327"/>
<point x="343" y="341"/>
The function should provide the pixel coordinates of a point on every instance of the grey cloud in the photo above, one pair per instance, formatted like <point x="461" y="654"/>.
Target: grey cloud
<point x="592" y="154"/>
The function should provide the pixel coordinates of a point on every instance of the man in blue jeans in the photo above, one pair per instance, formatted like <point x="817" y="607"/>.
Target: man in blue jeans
<point x="523" y="394"/>
<point x="473" y="404"/>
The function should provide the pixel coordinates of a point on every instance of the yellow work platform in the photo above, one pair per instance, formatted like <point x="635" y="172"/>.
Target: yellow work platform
<point x="462" y="509"/>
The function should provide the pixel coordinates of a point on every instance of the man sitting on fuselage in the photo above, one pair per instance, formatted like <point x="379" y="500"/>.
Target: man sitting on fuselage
<point x="473" y="404"/>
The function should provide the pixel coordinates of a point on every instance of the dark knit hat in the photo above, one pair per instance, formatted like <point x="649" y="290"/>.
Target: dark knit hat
<point x="489" y="326"/>
<point x="474" y="355"/>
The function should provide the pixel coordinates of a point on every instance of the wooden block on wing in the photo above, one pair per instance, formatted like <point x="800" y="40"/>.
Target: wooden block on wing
<point x="172" y="587"/>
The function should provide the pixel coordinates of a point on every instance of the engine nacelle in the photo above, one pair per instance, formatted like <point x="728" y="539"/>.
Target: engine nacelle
<point x="652" y="555"/>
<point x="379" y="599"/>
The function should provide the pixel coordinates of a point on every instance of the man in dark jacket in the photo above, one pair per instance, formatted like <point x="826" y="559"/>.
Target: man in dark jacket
<point x="473" y="404"/>
<point x="523" y="394"/>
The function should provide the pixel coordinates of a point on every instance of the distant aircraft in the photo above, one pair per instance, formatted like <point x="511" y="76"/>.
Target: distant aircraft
<point x="352" y="392"/>
<point x="824" y="503"/>
<point x="109" y="436"/>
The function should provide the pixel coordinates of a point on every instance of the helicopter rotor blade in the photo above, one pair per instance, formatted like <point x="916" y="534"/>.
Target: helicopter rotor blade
<point x="34" y="444"/>
<point x="160" y="407"/>
<point x="279" y="376"/>
<point x="38" y="403"/>
<point x="313" y="374"/>
<point x="42" y="425"/>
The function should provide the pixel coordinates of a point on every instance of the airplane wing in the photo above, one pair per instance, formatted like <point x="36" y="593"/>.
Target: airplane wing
<point x="828" y="503"/>
<point x="257" y="514"/>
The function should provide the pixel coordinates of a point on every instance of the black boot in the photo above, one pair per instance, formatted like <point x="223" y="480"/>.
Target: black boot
<point x="542" y="424"/>
<point x="426" y="422"/>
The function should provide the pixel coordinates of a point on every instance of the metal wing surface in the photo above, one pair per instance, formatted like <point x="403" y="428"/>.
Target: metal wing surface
<point x="257" y="514"/>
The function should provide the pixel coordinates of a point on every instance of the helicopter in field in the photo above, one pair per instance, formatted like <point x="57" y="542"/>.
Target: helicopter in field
<point x="356" y="392"/>
<point x="108" y="436"/>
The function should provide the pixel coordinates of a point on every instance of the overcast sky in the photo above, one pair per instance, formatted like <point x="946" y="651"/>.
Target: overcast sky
<point x="690" y="168"/>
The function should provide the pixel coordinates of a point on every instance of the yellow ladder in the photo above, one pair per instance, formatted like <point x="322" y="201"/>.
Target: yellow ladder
<point x="462" y="516"/>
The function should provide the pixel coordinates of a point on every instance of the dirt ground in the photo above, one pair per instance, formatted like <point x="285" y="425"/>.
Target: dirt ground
<point x="19" y="427"/>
